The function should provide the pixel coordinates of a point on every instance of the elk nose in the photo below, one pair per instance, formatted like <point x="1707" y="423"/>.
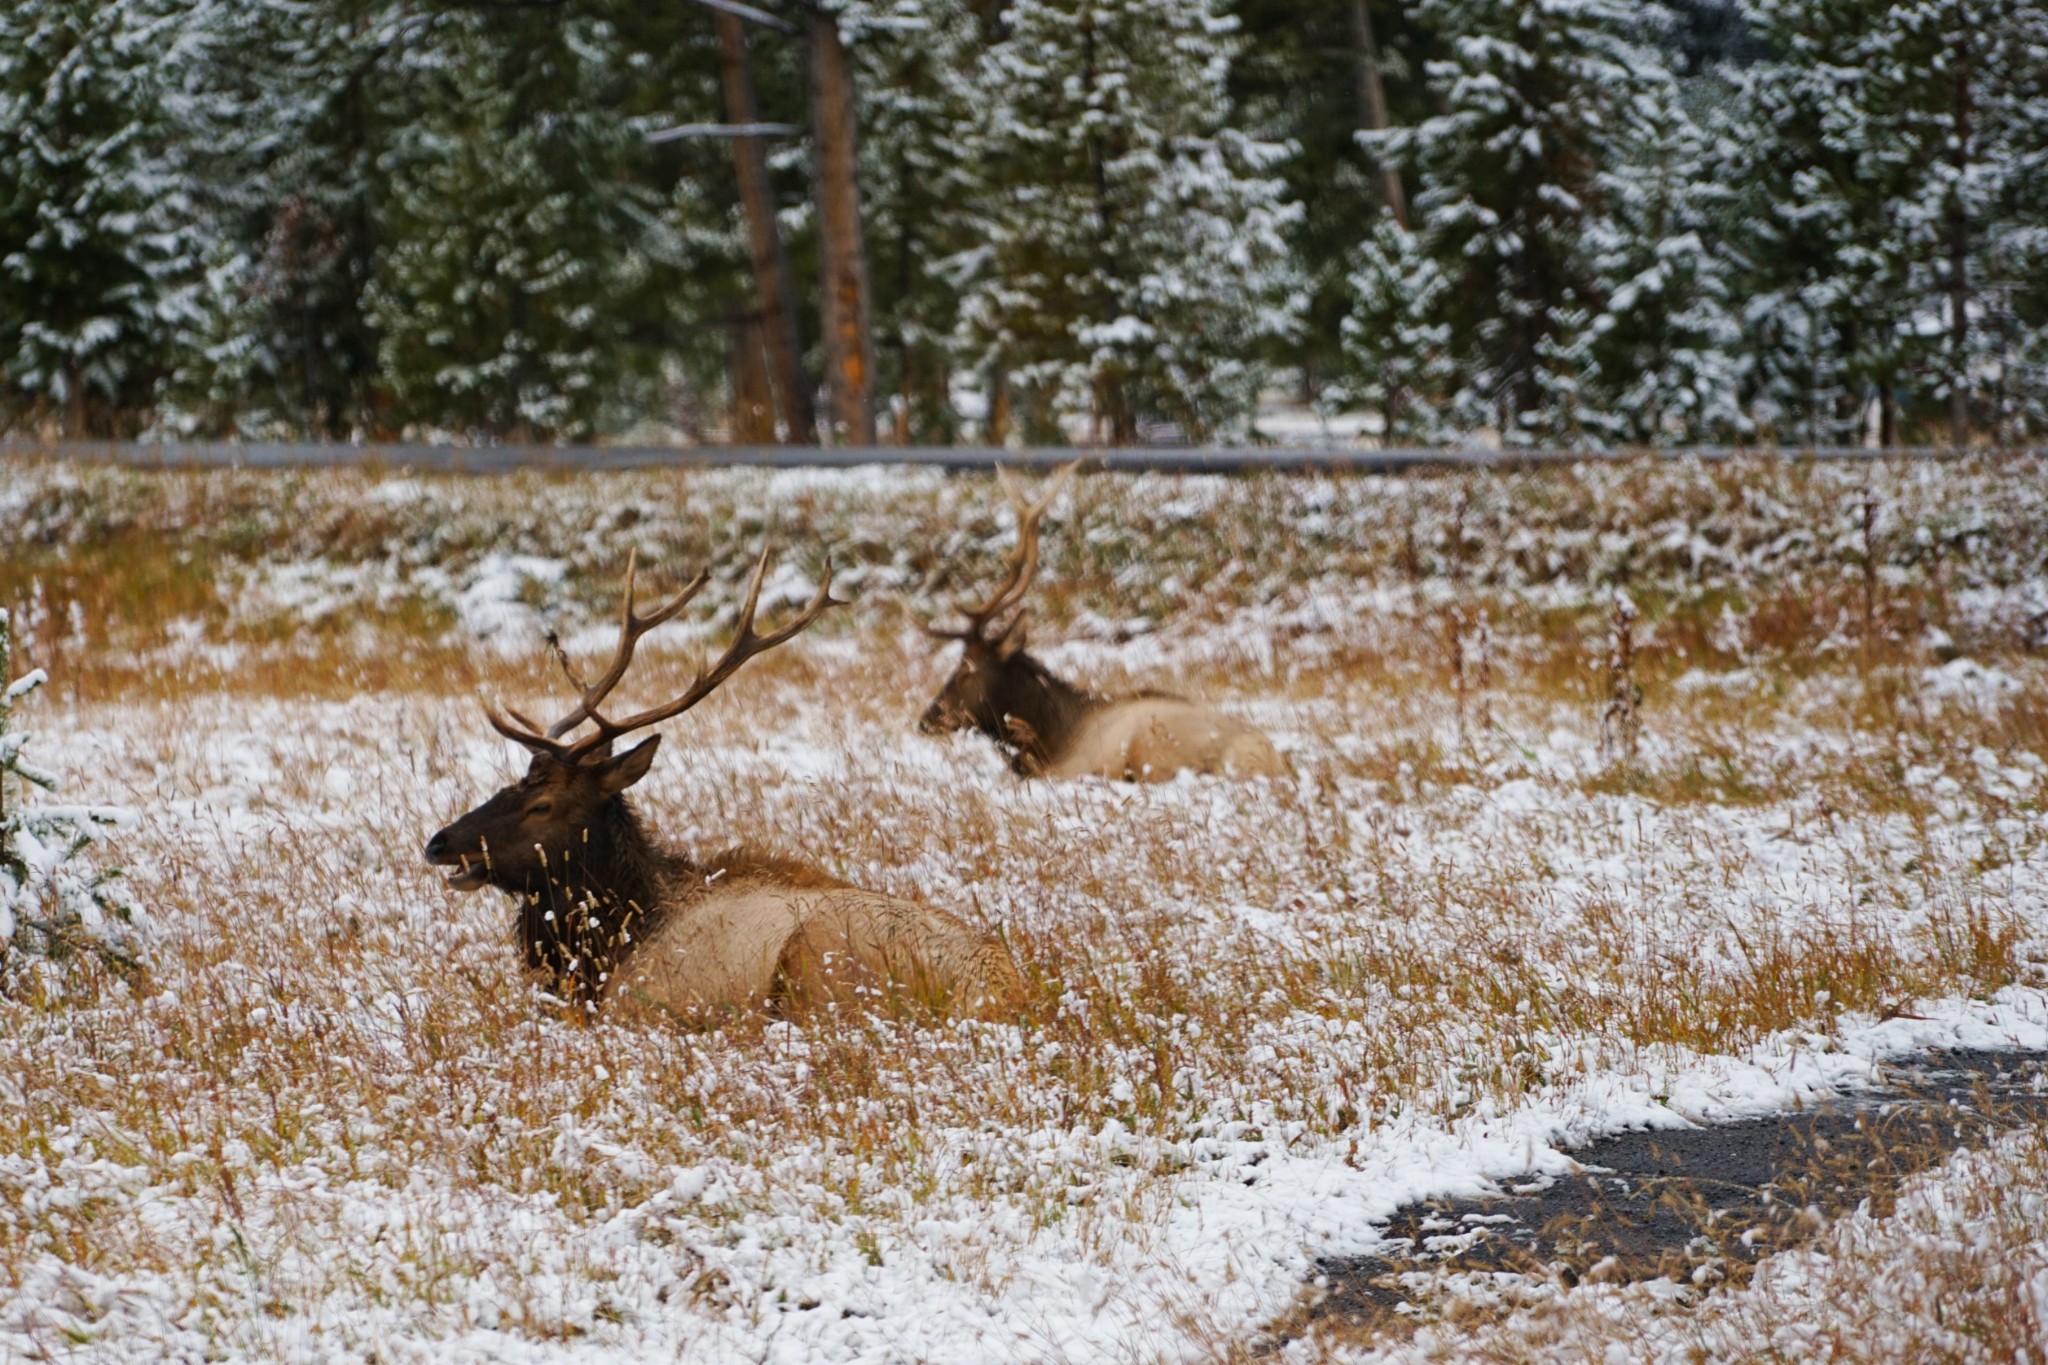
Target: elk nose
<point x="437" y="847"/>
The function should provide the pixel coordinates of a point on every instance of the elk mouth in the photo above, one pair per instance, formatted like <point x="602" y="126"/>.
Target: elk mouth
<point x="469" y="876"/>
<point x="472" y="872"/>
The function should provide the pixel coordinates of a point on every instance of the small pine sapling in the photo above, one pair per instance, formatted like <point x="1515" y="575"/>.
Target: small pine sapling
<point x="56" y="906"/>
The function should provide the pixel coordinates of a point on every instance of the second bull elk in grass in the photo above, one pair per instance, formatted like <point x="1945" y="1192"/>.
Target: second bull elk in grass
<point x="611" y="915"/>
<point x="1050" y="728"/>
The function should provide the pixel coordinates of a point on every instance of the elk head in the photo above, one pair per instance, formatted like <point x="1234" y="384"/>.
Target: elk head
<point x="991" y="658"/>
<point x="556" y="822"/>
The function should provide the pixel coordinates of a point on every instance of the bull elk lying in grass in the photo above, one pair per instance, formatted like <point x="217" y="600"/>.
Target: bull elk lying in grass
<point x="1050" y="728"/>
<point x="610" y="914"/>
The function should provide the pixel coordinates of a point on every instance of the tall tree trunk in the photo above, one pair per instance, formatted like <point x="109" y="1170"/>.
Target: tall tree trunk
<point x="1109" y="405"/>
<point x="1115" y="423"/>
<point x="1959" y="261"/>
<point x="772" y="278"/>
<point x="2000" y="325"/>
<point x="1372" y="107"/>
<point x="753" y="409"/>
<point x="906" y="394"/>
<point x="997" y="421"/>
<point x="1959" y="336"/>
<point x="849" y="345"/>
<point x="906" y="254"/>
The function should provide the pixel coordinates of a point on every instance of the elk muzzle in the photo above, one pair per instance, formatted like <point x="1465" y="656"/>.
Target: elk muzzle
<point x="472" y="869"/>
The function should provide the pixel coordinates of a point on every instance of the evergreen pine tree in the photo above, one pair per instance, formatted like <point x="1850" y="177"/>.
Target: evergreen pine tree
<point x="678" y="343"/>
<point x="1298" y="80"/>
<point x="1955" y="99"/>
<point x="1135" y="258"/>
<point x="1541" y="102"/>
<point x="510" y="230"/>
<point x="1891" y="156"/>
<point x="55" y="904"/>
<point x="1666" y="344"/>
<point x="2004" y="364"/>
<point x="916" y="62"/>
<point x="100" y="256"/>
<point x="1396" y="344"/>
<point x="295" y="109"/>
<point x="1823" y="305"/>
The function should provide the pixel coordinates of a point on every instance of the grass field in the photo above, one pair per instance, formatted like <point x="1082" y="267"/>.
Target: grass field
<point x="1626" y="794"/>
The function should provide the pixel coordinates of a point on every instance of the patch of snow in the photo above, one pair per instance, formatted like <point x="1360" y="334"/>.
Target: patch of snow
<point x="1969" y="681"/>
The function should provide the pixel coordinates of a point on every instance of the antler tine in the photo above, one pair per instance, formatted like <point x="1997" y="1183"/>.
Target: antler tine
<point x="532" y="728"/>
<point x="1032" y="511"/>
<point x="530" y="735"/>
<point x="631" y="628"/>
<point x="568" y="664"/>
<point x="1023" y="566"/>
<point x="1014" y="495"/>
<point x="1054" y="486"/>
<point x="816" y="607"/>
<point x="745" y="645"/>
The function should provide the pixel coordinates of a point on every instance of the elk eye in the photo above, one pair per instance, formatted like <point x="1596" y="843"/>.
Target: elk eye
<point x="541" y="807"/>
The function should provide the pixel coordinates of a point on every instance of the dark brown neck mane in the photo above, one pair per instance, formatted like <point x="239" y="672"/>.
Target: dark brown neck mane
<point x="579" y="921"/>
<point x="1032" y="715"/>
<point x="582" y="921"/>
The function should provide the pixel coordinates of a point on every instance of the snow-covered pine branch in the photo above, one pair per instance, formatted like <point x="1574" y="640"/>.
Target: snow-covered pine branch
<point x="56" y="901"/>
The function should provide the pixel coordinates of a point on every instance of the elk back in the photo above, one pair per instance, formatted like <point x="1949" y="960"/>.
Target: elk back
<point x="1149" y="739"/>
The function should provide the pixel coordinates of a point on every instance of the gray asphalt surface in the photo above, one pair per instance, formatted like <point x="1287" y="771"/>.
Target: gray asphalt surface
<point x="500" y="459"/>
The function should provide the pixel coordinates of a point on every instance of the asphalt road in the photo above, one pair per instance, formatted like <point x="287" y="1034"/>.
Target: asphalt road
<point x="500" y="459"/>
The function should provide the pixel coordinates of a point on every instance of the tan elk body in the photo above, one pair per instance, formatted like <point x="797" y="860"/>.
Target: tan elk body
<point x="610" y="915"/>
<point x="754" y="938"/>
<point x="1156" y="737"/>
<point x="1050" y="728"/>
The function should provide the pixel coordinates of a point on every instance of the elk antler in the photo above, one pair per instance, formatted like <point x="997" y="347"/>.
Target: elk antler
<point x="1023" y="563"/>
<point x="745" y="645"/>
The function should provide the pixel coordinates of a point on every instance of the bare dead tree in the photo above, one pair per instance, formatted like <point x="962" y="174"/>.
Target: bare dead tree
<point x="1621" y="723"/>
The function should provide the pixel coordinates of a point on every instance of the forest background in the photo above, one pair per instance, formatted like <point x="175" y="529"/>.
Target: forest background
<point x="1114" y="221"/>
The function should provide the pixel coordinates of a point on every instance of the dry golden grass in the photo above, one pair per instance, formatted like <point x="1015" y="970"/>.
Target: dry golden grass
<point x="329" y="1036"/>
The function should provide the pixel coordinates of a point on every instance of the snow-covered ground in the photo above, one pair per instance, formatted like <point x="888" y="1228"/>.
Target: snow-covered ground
<point x="335" y="1122"/>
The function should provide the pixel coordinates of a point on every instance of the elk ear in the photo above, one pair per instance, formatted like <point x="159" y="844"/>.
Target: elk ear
<point x="1011" y="643"/>
<point x="614" y="775"/>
